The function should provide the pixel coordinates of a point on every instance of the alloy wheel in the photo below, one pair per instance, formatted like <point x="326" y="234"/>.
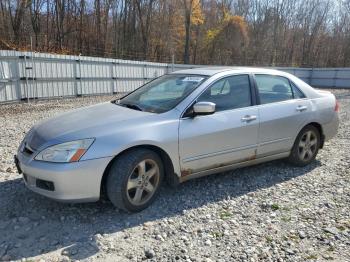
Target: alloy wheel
<point x="143" y="182"/>
<point x="307" y="145"/>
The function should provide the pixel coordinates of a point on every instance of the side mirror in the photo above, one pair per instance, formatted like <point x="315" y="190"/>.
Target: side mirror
<point x="203" y="108"/>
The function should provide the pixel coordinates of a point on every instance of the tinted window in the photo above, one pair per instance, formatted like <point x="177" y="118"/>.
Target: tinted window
<point x="273" y="88"/>
<point x="228" y="93"/>
<point x="296" y="92"/>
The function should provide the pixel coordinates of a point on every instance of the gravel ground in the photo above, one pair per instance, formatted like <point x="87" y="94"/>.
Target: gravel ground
<point x="270" y="212"/>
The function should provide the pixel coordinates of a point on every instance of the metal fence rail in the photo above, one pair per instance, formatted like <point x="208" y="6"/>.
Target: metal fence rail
<point x="322" y="77"/>
<point x="26" y="75"/>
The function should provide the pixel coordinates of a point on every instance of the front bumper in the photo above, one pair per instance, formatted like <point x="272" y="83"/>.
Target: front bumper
<point x="69" y="182"/>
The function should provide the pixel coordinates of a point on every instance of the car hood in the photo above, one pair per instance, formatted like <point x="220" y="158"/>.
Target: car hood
<point x="85" y="122"/>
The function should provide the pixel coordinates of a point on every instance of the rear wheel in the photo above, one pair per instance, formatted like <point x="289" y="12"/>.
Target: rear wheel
<point x="134" y="180"/>
<point x="305" y="146"/>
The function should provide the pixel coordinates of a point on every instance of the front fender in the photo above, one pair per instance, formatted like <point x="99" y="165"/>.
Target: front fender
<point x="163" y="135"/>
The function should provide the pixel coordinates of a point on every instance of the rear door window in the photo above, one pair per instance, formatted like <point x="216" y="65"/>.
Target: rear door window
<point x="273" y="88"/>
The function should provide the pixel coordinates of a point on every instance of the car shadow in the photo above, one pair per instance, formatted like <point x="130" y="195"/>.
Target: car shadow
<point x="33" y="225"/>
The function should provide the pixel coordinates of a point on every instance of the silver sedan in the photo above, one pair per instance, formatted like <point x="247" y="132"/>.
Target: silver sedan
<point x="177" y="127"/>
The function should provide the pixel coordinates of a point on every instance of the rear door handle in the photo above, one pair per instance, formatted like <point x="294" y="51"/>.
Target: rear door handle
<point x="301" y="108"/>
<point x="248" y="118"/>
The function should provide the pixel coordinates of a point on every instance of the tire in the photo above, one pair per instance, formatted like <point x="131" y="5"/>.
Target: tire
<point x="172" y="180"/>
<point x="305" y="147"/>
<point x="134" y="180"/>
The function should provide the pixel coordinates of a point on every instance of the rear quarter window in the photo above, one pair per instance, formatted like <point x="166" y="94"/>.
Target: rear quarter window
<point x="296" y="91"/>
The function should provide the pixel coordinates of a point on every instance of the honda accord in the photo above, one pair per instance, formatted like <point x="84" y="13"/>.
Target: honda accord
<point x="180" y="126"/>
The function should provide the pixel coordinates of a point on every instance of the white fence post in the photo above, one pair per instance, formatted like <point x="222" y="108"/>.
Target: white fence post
<point x="335" y="77"/>
<point x="144" y="69"/>
<point x="75" y="76"/>
<point x="18" y="80"/>
<point x="111" y="75"/>
<point x="311" y="75"/>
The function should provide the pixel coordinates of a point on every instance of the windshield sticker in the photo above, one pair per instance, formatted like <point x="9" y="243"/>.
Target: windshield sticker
<point x="192" y="79"/>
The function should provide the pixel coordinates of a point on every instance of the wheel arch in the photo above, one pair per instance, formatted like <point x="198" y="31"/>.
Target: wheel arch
<point x="169" y="172"/>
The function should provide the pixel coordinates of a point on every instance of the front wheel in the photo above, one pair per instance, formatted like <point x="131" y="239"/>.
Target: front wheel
<point x="134" y="179"/>
<point x="305" y="146"/>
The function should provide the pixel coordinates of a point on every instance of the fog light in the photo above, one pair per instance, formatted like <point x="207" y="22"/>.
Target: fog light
<point x="46" y="185"/>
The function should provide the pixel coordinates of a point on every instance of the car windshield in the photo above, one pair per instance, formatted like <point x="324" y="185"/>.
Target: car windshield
<point x="163" y="93"/>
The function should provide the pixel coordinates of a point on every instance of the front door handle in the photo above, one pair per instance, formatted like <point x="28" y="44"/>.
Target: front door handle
<point x="248" y="118"/>
<point x="301" y="108"/>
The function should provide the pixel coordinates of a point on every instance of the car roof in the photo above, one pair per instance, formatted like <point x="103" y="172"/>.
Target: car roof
<point x="209" y="71"/>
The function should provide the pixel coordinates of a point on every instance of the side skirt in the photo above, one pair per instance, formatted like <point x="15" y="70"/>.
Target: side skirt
<point x="233" y="166"/>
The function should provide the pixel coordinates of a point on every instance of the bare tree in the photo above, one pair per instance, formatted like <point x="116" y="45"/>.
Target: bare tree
<point x="145" y="9"/>
<point x="35" y="7"/>
<point x="60" y="12"/>
<point x="16" y="11"/>
<point x="187" y="13"/>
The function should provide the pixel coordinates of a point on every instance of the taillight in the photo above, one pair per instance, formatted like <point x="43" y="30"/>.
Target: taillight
<point x="336" y="108"/>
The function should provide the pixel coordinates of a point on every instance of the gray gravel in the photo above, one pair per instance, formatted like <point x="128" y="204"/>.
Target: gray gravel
<point x="270" y="212"/>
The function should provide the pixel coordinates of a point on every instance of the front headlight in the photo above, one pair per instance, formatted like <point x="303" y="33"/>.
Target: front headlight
<point x="65" y="152"/>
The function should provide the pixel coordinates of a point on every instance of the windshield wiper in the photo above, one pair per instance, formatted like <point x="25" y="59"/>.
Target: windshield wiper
<point x="131" y="106"/>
